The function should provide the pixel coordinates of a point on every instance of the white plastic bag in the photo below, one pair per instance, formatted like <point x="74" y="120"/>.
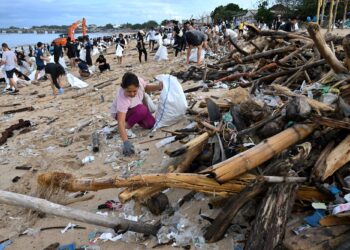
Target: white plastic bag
<point x="95" y="51"/>
<point x="172" y="104"/>
<point x="62" y="62"/>
<point x="161" y="54"/>
<point x="147" y="100"/>
<point x="119" y="51"/>
<point x="76" y="82"/>
<point x="32" y="75"/>
<point x="193" y="55"/>
<point x="82" y="54"/>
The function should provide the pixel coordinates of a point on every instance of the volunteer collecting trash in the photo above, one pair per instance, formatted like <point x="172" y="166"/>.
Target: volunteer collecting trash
<point x="195" y="39"/>
<point x="128" y="108"/>
<point x="55" y="72"/>
<point x="120" y="46"/>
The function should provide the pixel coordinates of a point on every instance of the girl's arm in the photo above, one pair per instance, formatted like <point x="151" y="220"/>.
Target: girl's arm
<point x="122" y="126"/>
<point x="154" y="87"/>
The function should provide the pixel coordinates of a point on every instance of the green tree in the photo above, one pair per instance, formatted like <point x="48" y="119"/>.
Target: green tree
<point x="109" y="26"/>
<point x="264" y="14"/>
<point x="150" y="24"/>
<point x="227" y="12"/>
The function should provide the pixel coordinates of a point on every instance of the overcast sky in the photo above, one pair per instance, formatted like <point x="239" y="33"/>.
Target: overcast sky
<point x="26" y="13"/>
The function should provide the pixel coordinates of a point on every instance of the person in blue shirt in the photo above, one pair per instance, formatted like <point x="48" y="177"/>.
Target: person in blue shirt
<point x="39" y="59"/>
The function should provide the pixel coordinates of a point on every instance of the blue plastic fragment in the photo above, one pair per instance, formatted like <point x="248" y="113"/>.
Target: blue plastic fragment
<point x="314" y="219"/>
<point x="67" y="247"/>
<point x="333" y="189"/>
<point x="5" y="244"/>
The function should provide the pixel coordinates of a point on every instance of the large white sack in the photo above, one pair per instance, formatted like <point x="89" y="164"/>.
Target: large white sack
<point x="95" y="51"/>
<point x="76" y="82"/>
<point x="82" y="54"/>
<point x="119" y="51"/>
<point x="172" y="103"/>
<point x="32" y="75"/>
<point x="193" y="55"/>
<point x="62" y="62"/>
<point x="161" y="54"/>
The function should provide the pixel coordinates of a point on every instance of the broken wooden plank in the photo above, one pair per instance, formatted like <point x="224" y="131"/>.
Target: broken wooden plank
<point x="268" y="228"/>
<point x="9" y="131"/>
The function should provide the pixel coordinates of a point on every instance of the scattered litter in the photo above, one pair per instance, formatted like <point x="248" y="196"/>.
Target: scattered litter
<point x="88" y="159"/>
<point x="68" y="227"/>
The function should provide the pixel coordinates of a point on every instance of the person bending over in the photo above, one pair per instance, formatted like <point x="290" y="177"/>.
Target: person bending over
<point x="195" y="39"/>
<point x="128" y="108"/>
<point x="102" y="63"/>
<point x="55" y="72"/>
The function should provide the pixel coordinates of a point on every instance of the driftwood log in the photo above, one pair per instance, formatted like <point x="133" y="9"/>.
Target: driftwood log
<point x="48" y="207"/>
<point x="325" y="51"/>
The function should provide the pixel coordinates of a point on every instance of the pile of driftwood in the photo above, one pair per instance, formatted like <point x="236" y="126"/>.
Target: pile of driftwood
<point x="279" y="136"/>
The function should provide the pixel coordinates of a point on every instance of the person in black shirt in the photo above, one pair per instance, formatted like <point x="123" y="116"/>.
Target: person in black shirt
<point x="180" y="42"/>
<point x="71" y="53"/>
<point x="102" y="63"/>
<point x="55" y="72"/>
<point x="120" y="41"/>
<point x="57" y="52"/>
<point x="141" y="45"/>
<point x="290" y="25"/>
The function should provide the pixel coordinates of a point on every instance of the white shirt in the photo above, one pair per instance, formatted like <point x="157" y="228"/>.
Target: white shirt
<point x="231" y="33"/>
<point x="10" y="58"/>
<point x="152" y="35"/>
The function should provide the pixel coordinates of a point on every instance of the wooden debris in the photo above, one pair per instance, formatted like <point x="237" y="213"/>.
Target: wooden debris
<point x="18" y="110"/>
<point x="48" y="207"/>
<point x="9" y="131"/>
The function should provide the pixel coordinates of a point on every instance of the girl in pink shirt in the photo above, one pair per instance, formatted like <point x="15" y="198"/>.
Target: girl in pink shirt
<point x="128" y="108"/>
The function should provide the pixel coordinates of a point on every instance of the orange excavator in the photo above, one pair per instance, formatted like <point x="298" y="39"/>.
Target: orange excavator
<point x="62" y="40"/>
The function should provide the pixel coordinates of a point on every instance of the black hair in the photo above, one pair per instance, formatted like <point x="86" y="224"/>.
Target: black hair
<point x="39" y="44"/>
<point x="4" y="45"/>
<point x="130" y="79"/>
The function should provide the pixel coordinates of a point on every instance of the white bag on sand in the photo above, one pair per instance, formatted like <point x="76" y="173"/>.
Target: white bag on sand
<point x="162" y="53"/>
<point x="172" y="104"/>
<point x="193" y="55"/>
<point x="32" y="75"/>
<point x="95" y="51"/>
<point x="76" y="82"/>
<point x="119" y="51"/>
<point x="92" y="69"/>
<point x="82" y="54"/>
<point x="62" y="62"/>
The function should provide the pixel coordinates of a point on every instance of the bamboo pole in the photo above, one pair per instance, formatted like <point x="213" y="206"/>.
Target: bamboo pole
<point x="48" y="207"/>
<point x="319" y="2"/>
<point x="323" y="10"/>
<point x="251" y="158"/>
<point x="335" y="14"/>
<point x="346" y="2"/>
<point x="330" y="16"/>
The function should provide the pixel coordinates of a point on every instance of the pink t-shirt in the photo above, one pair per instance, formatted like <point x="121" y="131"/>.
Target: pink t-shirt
<point x="122" y="102"/>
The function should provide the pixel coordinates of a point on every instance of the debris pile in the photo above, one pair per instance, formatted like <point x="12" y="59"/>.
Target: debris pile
<point x="270" y="149"/>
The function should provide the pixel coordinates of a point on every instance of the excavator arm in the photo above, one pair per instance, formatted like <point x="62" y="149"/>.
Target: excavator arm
<point x="74" y="26"/>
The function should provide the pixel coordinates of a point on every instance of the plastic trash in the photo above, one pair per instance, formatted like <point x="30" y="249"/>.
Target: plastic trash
<point x="165" y="141"/>
<point x="319" y="205"/>
<point x="193" y="55"/>
<point x="341" y="208"/>
<point x="301" y="228"/>
<point x="119" y="51"/>
<point x="82" y="54"/>
<point x="67" y="247"/>
<point x="68" y="227"/>
<point x="95" y="51"/>
<point x="88" y="159"/>
<point x="147" y="100"/>
<point x="172" y="103"/>
<point x="161" y="54"/>
<point x="32" y="75"/>
<point x="112" y="158"/>
<point x="110" y="236"/>
<point x="75" y="82"/>
<point x="314" y="219"/>
<point x="5" y="244"/>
